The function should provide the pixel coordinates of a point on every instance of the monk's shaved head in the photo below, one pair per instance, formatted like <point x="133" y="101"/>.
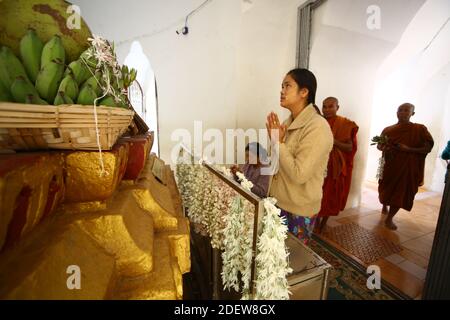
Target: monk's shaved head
<point x="333" y="99"/>
<point x="330" y="107"/>
<point x="405" y="112"/>
<point x="407" y="104"/>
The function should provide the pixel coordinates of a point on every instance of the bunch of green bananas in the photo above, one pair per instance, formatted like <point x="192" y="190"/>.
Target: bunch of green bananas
<point x="41" y="75"/>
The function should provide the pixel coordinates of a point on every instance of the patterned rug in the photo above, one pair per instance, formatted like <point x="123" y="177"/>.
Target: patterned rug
<point x="348" y="279"/>
<point x="367" y="246"/>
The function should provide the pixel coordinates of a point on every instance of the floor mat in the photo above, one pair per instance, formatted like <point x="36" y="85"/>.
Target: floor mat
<point x="367" y="246"/>
<point x="348" y="279"/>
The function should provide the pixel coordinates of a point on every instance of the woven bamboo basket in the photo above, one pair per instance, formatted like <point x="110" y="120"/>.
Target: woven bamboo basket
<point x="72" y="127"/>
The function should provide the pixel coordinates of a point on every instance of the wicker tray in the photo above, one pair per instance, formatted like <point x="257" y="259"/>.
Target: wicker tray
<point x="35" y="127"/>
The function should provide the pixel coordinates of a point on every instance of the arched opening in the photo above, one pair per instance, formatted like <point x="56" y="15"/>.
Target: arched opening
<point x="148" y="109"/>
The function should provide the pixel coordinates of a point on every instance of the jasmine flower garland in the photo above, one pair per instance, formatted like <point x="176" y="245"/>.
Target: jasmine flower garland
<point x="238" y="243"/>
<point x="223" y="196"/>
<point x="231" y="253"/>
<point x="237" y="254"/>
<point x="272" y="266"/>
<point x="238" y="238"/>
<point x="197" y="213"/>
<point x="380" y="169"/>
<point x="246" y="244"/>
<point x="182" y="175"/>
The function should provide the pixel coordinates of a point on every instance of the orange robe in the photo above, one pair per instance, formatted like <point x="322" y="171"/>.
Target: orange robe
<point x="336" y="186"/>
<point x="403" y="172"/>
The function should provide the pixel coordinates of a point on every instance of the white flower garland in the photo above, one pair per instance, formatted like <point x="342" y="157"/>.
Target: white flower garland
<point x="238" y="241"/>
<point x="380" y="170"/>
<point x="246" y="244"/>
<point x="197" y="213"/>
<point x="223" y="197"/>
<point x="228" y="219"/>
<point x="206" y="197"/>
<point x="272" y="264"/>
<point x="231" y="253"/>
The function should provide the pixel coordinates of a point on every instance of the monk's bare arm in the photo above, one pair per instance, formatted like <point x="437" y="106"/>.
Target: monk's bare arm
<point x="344" y="146"/>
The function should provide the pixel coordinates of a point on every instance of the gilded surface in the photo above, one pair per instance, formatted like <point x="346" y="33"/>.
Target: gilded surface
<point x="159" y="191"/>
<point x="128" y="246"/>
<point x="125" y="231"/>
<point x="180" y="245"/>
<point x="85" y="180"/>
<point x="37" y="176"/>
<point x="80" y="207"/>
<point x="37" y="269"/>
<point x="164" y="283"/>
<point x="163" y="220"/>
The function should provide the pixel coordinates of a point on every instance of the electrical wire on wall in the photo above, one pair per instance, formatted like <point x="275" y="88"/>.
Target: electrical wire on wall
<point x="166" y="28"/>
<point x="185" y="29"/>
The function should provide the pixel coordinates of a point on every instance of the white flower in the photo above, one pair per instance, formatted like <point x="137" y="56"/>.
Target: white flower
<point x="97" y="41"/>
<point x="224" y="170"/>
<point x="246" y="184"/>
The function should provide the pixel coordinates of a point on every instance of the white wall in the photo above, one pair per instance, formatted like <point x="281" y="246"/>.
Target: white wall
<point x="195" y="74"/>
<point x="227" y="72"/>
<point x="267" y="50"/>
<point x="440" y="167"/>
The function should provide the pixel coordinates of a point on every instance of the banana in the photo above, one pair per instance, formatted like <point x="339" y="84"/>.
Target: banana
<point x="89" y="58"/>
<point x="79" y="71"/>
<point x="10" y="67"/>
<point x="34" y="99"/>
<point x="5" y="94"/>
<point x="108" y="101"/>
<point x="48" y="80"/>
<point x="48" y="17"/>
<point x="94" y="82"/>
<point x="20" y="88"/>
<point x="69" y="86"/>
<point x="53" y="50"/>
<point x="87" y="95"/>
<point x="30" y="52"/>
<point x="62" y="98"/>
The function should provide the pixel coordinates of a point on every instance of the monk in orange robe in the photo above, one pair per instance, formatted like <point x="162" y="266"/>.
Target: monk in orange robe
<point x="404" y="162"/>
<point x="336" y="186"/>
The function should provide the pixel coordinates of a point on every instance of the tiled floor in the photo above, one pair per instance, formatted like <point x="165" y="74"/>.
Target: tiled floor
<point x="407" y="269"/>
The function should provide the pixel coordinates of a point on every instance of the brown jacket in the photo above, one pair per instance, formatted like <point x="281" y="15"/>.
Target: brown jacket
<point x="302" y="164"/>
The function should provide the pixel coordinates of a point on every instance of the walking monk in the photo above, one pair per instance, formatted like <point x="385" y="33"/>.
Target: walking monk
<point x="340" y="164"/>
<point x="404" y="162"/>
